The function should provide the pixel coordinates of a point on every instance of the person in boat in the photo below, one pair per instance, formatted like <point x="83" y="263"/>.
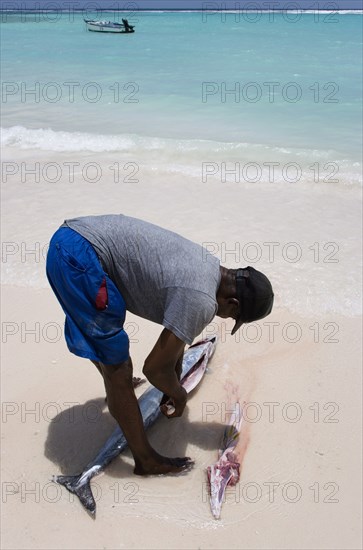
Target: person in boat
<point x="128" y="28"/>
<point x="99" y="267"/>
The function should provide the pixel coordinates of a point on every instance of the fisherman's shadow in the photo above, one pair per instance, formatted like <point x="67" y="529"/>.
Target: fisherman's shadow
<point x="171" y="437"/>
<point x="76" y="435"/>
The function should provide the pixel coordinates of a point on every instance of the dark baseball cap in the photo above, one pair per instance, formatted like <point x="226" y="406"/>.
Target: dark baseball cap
<point x="255" y="296"/>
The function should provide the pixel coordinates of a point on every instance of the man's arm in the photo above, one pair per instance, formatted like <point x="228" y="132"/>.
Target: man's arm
<point x="163" y="367"/>
<point x="178" y="369"/>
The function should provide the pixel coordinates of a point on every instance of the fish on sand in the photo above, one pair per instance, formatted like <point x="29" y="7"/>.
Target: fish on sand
<point x="226" y="471"/>
<point x="195" y="362"/>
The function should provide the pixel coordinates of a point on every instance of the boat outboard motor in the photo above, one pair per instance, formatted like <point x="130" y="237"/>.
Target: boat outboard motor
<point x="128" y="28"/>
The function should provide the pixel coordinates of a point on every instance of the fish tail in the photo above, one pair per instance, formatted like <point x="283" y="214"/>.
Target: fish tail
<point x="81" y="487"/>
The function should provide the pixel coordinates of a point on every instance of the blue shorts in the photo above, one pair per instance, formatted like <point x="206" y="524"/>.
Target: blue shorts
<point x="94" y="308"/>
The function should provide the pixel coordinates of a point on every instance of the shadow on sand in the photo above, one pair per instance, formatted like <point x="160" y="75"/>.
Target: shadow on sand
<point x="76" y="435"/>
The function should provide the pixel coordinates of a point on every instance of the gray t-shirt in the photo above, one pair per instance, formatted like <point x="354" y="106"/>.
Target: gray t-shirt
<point x="162" y="276"/>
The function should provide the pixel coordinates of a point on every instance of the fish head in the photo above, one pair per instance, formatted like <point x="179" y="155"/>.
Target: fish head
<point x="219" y="478"/>
<point x="195" y="362"/>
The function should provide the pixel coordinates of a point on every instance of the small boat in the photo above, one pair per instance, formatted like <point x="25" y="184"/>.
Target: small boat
<point x="109" y="26"/>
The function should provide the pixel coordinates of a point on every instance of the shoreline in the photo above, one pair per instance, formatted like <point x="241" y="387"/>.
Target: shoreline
<point x="112" y="10"/>
<point x="290" y="231"/>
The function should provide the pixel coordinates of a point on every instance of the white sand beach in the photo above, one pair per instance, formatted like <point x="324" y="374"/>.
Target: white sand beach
<point x="299" y="370"/>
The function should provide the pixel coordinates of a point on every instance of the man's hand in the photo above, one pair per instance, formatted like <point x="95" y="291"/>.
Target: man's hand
<point x="166" y="399"/>
<point x="163" y="367"/>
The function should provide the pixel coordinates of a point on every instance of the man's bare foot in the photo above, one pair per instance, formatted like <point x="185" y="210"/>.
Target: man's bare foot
<point x="136" y="381"/>
<point x="159" y="465"/>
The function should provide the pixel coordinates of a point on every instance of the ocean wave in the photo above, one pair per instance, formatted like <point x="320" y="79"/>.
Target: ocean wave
<point x="189" y="156"/>
<point x="318" y="223"/>
<point x="47" y="139"/>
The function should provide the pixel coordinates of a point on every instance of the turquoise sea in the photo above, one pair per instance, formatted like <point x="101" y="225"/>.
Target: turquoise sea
<point x="223" y="130"/>
<point x="294" y="86"/>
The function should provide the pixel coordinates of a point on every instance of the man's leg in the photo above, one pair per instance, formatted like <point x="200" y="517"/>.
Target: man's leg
<point x="98" y="366"/>
<point x="123" y="406"/>
<point x="136" y="380"/>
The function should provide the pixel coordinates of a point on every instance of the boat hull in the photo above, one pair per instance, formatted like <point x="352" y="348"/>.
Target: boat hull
<point x="114" y="28"/>
<point x="109" y="30"/>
